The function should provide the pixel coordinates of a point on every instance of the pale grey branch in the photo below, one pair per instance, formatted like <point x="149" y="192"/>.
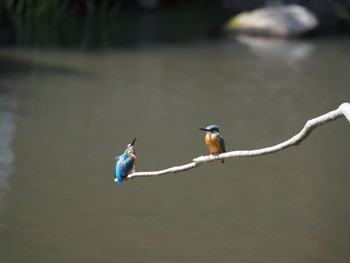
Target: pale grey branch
<point x="343" y="110"/>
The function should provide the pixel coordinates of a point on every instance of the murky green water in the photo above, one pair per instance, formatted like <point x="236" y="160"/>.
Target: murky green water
<point x="65" y="115"/>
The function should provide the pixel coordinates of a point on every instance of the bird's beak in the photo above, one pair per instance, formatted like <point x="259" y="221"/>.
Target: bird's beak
<point x="204" y="129"/>
<point x="132" y="144"/>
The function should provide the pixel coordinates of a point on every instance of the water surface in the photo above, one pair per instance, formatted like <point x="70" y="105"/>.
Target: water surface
<point x="69" y="113"/>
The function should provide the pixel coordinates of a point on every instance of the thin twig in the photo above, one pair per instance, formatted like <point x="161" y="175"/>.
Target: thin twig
<point x="343" y="110"/>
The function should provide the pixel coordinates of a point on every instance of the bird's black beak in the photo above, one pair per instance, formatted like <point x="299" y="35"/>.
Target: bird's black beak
<point x="133" y="142"/>
<point x="204" y="129"/>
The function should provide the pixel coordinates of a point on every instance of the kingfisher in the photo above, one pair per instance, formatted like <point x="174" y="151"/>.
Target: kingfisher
<point x="214" y="141"/>
<point x="125" y="163"/>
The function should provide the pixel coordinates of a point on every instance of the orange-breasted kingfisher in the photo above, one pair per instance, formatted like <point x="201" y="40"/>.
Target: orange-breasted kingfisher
<point x="214" y="141"/>
<point x="125" y="164"/>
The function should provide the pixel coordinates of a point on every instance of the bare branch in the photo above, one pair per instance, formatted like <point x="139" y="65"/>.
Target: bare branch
<point x="343" y="110"/>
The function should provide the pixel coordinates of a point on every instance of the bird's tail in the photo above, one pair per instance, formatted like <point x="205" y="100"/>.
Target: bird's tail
<point x="118" y="181"/>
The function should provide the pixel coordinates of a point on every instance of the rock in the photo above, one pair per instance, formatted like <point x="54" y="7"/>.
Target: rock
<point x="276" y="21"/>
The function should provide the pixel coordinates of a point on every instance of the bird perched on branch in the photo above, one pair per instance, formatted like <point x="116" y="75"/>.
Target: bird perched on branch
<point x="125" y="163"/>
<point x="214" y="141"/>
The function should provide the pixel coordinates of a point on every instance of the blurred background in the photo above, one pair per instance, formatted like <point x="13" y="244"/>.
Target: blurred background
<point x="80" y="79"/>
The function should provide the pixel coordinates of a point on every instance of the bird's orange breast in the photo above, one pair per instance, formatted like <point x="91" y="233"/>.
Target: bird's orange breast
<point x="213" y="143"/>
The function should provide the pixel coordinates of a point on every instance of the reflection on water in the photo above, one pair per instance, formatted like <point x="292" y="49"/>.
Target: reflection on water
<point x="76" y="111"/>
<point x="7" y="129"/>
<point x="281" y="49"/>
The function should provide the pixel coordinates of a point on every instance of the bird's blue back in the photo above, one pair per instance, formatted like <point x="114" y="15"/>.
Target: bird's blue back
<point x="222" y="143"/>
<point x="123" y="167"/>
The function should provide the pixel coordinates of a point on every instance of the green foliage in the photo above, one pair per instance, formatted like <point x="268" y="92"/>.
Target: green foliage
<point x="51" y="22"/>
<point x="35" y="10"/>
<point x="343" y="12"/>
